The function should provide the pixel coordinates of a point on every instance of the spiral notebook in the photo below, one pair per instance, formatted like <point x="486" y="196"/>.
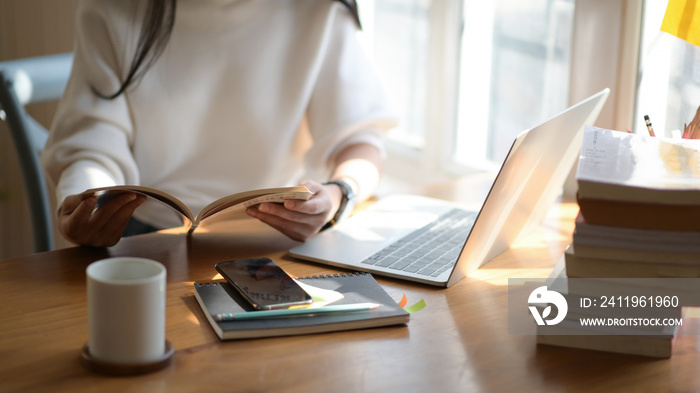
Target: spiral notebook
<point x="219" y="297"/>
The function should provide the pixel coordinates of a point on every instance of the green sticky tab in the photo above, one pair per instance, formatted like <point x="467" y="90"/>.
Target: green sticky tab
<point x="416" y="307"/>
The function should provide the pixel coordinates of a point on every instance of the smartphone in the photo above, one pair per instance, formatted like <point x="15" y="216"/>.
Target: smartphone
<point x="263" y="283"/>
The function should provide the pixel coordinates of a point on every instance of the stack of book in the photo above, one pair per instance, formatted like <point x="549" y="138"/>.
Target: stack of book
<point x="639" y="200"/>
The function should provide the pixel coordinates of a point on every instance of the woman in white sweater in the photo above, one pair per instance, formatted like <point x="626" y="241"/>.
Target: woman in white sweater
<point x="214" y="97"/>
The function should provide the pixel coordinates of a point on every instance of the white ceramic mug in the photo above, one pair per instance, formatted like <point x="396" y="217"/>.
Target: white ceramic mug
<point x="126" y="310"/>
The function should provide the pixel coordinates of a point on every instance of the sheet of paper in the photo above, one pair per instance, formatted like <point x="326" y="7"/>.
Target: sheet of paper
<point x="322" y="297"/>
<point x="640" y="161"/>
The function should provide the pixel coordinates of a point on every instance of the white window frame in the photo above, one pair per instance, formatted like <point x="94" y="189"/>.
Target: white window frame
<point x="428" y="164"/>
<point x="604" y="54"/>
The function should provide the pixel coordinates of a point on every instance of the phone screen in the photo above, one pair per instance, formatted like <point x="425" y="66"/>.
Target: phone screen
<point x="263" y="283"/>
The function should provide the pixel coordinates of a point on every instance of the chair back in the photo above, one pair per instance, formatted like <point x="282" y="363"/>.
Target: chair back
<point x="22" y="82"/>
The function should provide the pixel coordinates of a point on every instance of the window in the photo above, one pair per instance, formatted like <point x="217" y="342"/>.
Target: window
<point x="514" y="73"/>
<point x="467" y="77"/>
<point x="398" y="36"/>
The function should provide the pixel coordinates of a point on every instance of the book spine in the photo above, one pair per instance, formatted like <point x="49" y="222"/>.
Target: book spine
<point x="640" y="215"/>
<point x="625" y="193"/>
<point x="586" y="267"/>
<point x="641" y="255"/>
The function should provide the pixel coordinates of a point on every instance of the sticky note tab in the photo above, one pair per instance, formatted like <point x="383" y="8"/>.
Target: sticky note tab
<point x="416" y="307"/>
<point x="403" y="301"/>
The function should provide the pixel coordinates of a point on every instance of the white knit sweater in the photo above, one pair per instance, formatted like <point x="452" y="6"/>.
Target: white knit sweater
<point x="247" y="94"/>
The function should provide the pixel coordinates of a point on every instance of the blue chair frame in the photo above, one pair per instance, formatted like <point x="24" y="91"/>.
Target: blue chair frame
<point x="22" y="82"/>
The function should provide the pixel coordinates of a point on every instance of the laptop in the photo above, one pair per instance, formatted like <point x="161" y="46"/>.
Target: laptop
<point x="437" y="242"/>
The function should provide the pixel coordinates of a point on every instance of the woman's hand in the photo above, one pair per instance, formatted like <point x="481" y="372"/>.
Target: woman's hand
<point x="297" y="219"/>
<point x="82" y="224"/>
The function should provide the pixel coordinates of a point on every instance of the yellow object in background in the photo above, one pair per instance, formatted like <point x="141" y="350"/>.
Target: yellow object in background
<point x="682" y="19"/>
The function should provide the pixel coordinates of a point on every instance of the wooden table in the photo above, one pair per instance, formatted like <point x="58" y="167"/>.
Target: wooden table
<point x="458" y="343"/>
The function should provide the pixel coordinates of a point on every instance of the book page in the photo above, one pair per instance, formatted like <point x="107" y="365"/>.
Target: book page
<point x="625" y="159"/>
<point x="244" y="200"/>
<point x="104" y="194"/>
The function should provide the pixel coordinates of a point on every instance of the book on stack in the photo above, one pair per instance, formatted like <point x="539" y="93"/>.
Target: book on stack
<point x="631" y="338"/>
<point x="639" y="200"/>
<point x="636" y="181"/>
<point x="614" y="339"/>
<point x="604" y="251"/>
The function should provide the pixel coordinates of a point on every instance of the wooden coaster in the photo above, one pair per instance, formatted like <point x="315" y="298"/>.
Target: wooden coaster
<point x="124" y="369"/>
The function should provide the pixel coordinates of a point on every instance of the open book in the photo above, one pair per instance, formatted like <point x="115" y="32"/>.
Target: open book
<point x="241" y="200"/>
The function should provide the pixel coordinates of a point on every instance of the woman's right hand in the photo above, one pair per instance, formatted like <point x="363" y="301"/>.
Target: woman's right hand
<point x="82" y="224"/>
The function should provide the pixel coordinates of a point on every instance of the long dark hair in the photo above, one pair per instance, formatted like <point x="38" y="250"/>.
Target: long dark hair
<point x="156" y="29"/>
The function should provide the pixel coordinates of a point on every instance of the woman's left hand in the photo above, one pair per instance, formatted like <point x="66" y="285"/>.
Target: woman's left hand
<point x="297" y="219"/>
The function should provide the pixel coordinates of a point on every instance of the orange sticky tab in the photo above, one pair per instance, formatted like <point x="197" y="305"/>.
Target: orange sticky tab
<point x="403" y="301"/>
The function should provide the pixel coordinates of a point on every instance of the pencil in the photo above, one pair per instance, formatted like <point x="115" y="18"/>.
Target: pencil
<point x="342" y="308"/>
<point x="648" y="123"/>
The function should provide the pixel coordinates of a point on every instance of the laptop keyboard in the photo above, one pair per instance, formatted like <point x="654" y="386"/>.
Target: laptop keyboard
<point x="429" y="250"/>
